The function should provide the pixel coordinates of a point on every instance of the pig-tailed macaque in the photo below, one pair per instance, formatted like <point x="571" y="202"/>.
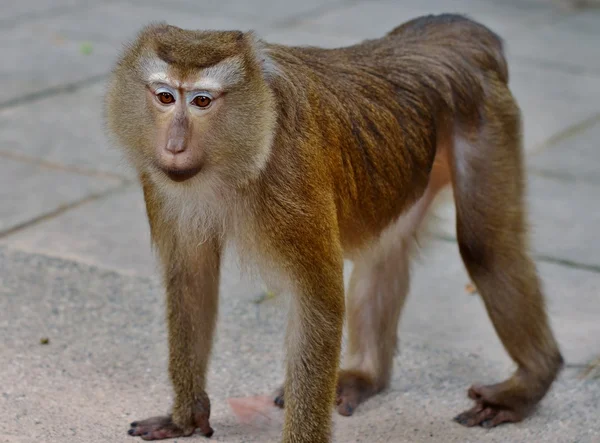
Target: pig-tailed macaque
<point x="302" y="157"/>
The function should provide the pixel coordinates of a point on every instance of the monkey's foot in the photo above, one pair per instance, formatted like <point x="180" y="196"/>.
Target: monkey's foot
<point x="494" y="406"/>
<point x="354" y="387"/>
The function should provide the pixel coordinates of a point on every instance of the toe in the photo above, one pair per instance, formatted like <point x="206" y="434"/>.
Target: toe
<point x="279" y="398"/>
<point x="279" y="402"/>
<point x="348" y="410"/>
<point x="136" y="431"/>
<point x="467" y="418"/>
<point x="504" y="416"/>
<point x="487" y="424"/>
<point x="475" y="392"/>
<point x="475" y="416"/>
<point x="346" y="407"/>
<point x="461" y="419"/>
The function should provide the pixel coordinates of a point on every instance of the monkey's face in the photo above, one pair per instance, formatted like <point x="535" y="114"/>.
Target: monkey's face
<point x="188" y="104"/>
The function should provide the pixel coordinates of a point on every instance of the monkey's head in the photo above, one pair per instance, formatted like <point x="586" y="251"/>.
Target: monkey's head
<point x="186" y="104"/>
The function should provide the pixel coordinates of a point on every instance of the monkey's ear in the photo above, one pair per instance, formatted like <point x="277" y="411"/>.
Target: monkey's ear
<point x="260" y="53"/>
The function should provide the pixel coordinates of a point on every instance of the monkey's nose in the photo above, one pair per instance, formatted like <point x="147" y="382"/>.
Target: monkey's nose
<point x="176" y="145"/>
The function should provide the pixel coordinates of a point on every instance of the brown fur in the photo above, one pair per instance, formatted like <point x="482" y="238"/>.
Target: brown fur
<point x="312" y="155"/>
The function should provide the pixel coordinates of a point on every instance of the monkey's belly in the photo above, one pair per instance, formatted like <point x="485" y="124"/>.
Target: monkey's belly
<point x="355" y="238"/>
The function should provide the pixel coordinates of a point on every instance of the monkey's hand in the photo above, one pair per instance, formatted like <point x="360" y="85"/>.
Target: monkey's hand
<point x="158" y="428"/>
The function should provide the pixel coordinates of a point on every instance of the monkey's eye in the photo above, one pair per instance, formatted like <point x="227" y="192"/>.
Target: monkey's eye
<point x="202" y="101"/>
<point x="166" y="98"/>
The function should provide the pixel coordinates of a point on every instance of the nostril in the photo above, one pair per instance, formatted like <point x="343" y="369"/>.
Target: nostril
<point x="176" y="146"/>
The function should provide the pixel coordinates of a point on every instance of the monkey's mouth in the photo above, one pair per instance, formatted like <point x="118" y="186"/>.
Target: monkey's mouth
<point x="180" y="175"/>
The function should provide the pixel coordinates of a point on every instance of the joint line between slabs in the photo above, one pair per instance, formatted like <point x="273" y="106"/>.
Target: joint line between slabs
<point x="64" y="208"/>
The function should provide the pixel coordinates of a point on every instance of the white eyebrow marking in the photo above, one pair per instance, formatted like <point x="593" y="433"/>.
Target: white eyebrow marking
<point x="207" y="83"/>
<point x="214" y="78"/>
<point x="204" y="83"/>
<point x="155" y="70"/>
<point x="218" y="77"/>
<point x="161" y="77"/>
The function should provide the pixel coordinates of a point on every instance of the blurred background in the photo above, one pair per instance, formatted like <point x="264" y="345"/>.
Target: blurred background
<point x="83" y="345"/>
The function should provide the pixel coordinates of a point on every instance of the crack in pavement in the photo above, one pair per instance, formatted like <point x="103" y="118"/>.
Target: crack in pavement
<point x="564" y="134"/>
<point x="53" y="90"/>
<point x="557" y="66"/>
<point x="563" y="177"/>
<point x="61" y="166"/>
<point x="64" y="208"/>
<point x="571" y="264"/>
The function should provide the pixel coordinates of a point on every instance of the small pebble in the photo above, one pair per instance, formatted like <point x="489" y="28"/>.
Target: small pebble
<point x="470" y="288"/>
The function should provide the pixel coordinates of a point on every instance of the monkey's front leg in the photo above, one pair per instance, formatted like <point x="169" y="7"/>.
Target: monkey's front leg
<point x="192" y="281"/>
<point x="314" y="338"/>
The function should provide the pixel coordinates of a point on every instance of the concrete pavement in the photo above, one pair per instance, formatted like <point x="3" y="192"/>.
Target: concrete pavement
<point x="76" y="266"/>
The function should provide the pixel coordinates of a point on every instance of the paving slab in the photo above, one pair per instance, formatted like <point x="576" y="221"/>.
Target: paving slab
<point x="260" y="11"/>
<point x="442" y="313"/>
<point x="571" y="40"/>
<point x="574" y="158"/>
<point x="27" y="9"/>
<point x="67" y="130"/>
<point x="126" y="18"/>
<point x="563" y="217"/>
<point x="374" y="18"/>
<point x="28" y="191"/>
<point x="111" y="232"/>
<point x="37" y="57"/>
<point x="305" y="37"/>
<point x="552" y="101"/>
<point x="105" y="365"/>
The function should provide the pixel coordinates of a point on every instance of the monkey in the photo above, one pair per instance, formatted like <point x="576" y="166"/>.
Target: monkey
<point x="302" y="157"/>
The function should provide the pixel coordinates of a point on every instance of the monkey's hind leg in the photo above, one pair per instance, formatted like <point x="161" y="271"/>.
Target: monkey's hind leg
<point x="376" y="295"/>
<point x="488" y="180"/>
<point x="378" y="287"/>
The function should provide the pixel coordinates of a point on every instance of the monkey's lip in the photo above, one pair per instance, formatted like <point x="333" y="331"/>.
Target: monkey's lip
<point x="180" y="175"/>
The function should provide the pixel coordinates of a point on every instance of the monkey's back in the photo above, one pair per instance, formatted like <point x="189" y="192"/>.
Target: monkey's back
<point x="383" y="106"/>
